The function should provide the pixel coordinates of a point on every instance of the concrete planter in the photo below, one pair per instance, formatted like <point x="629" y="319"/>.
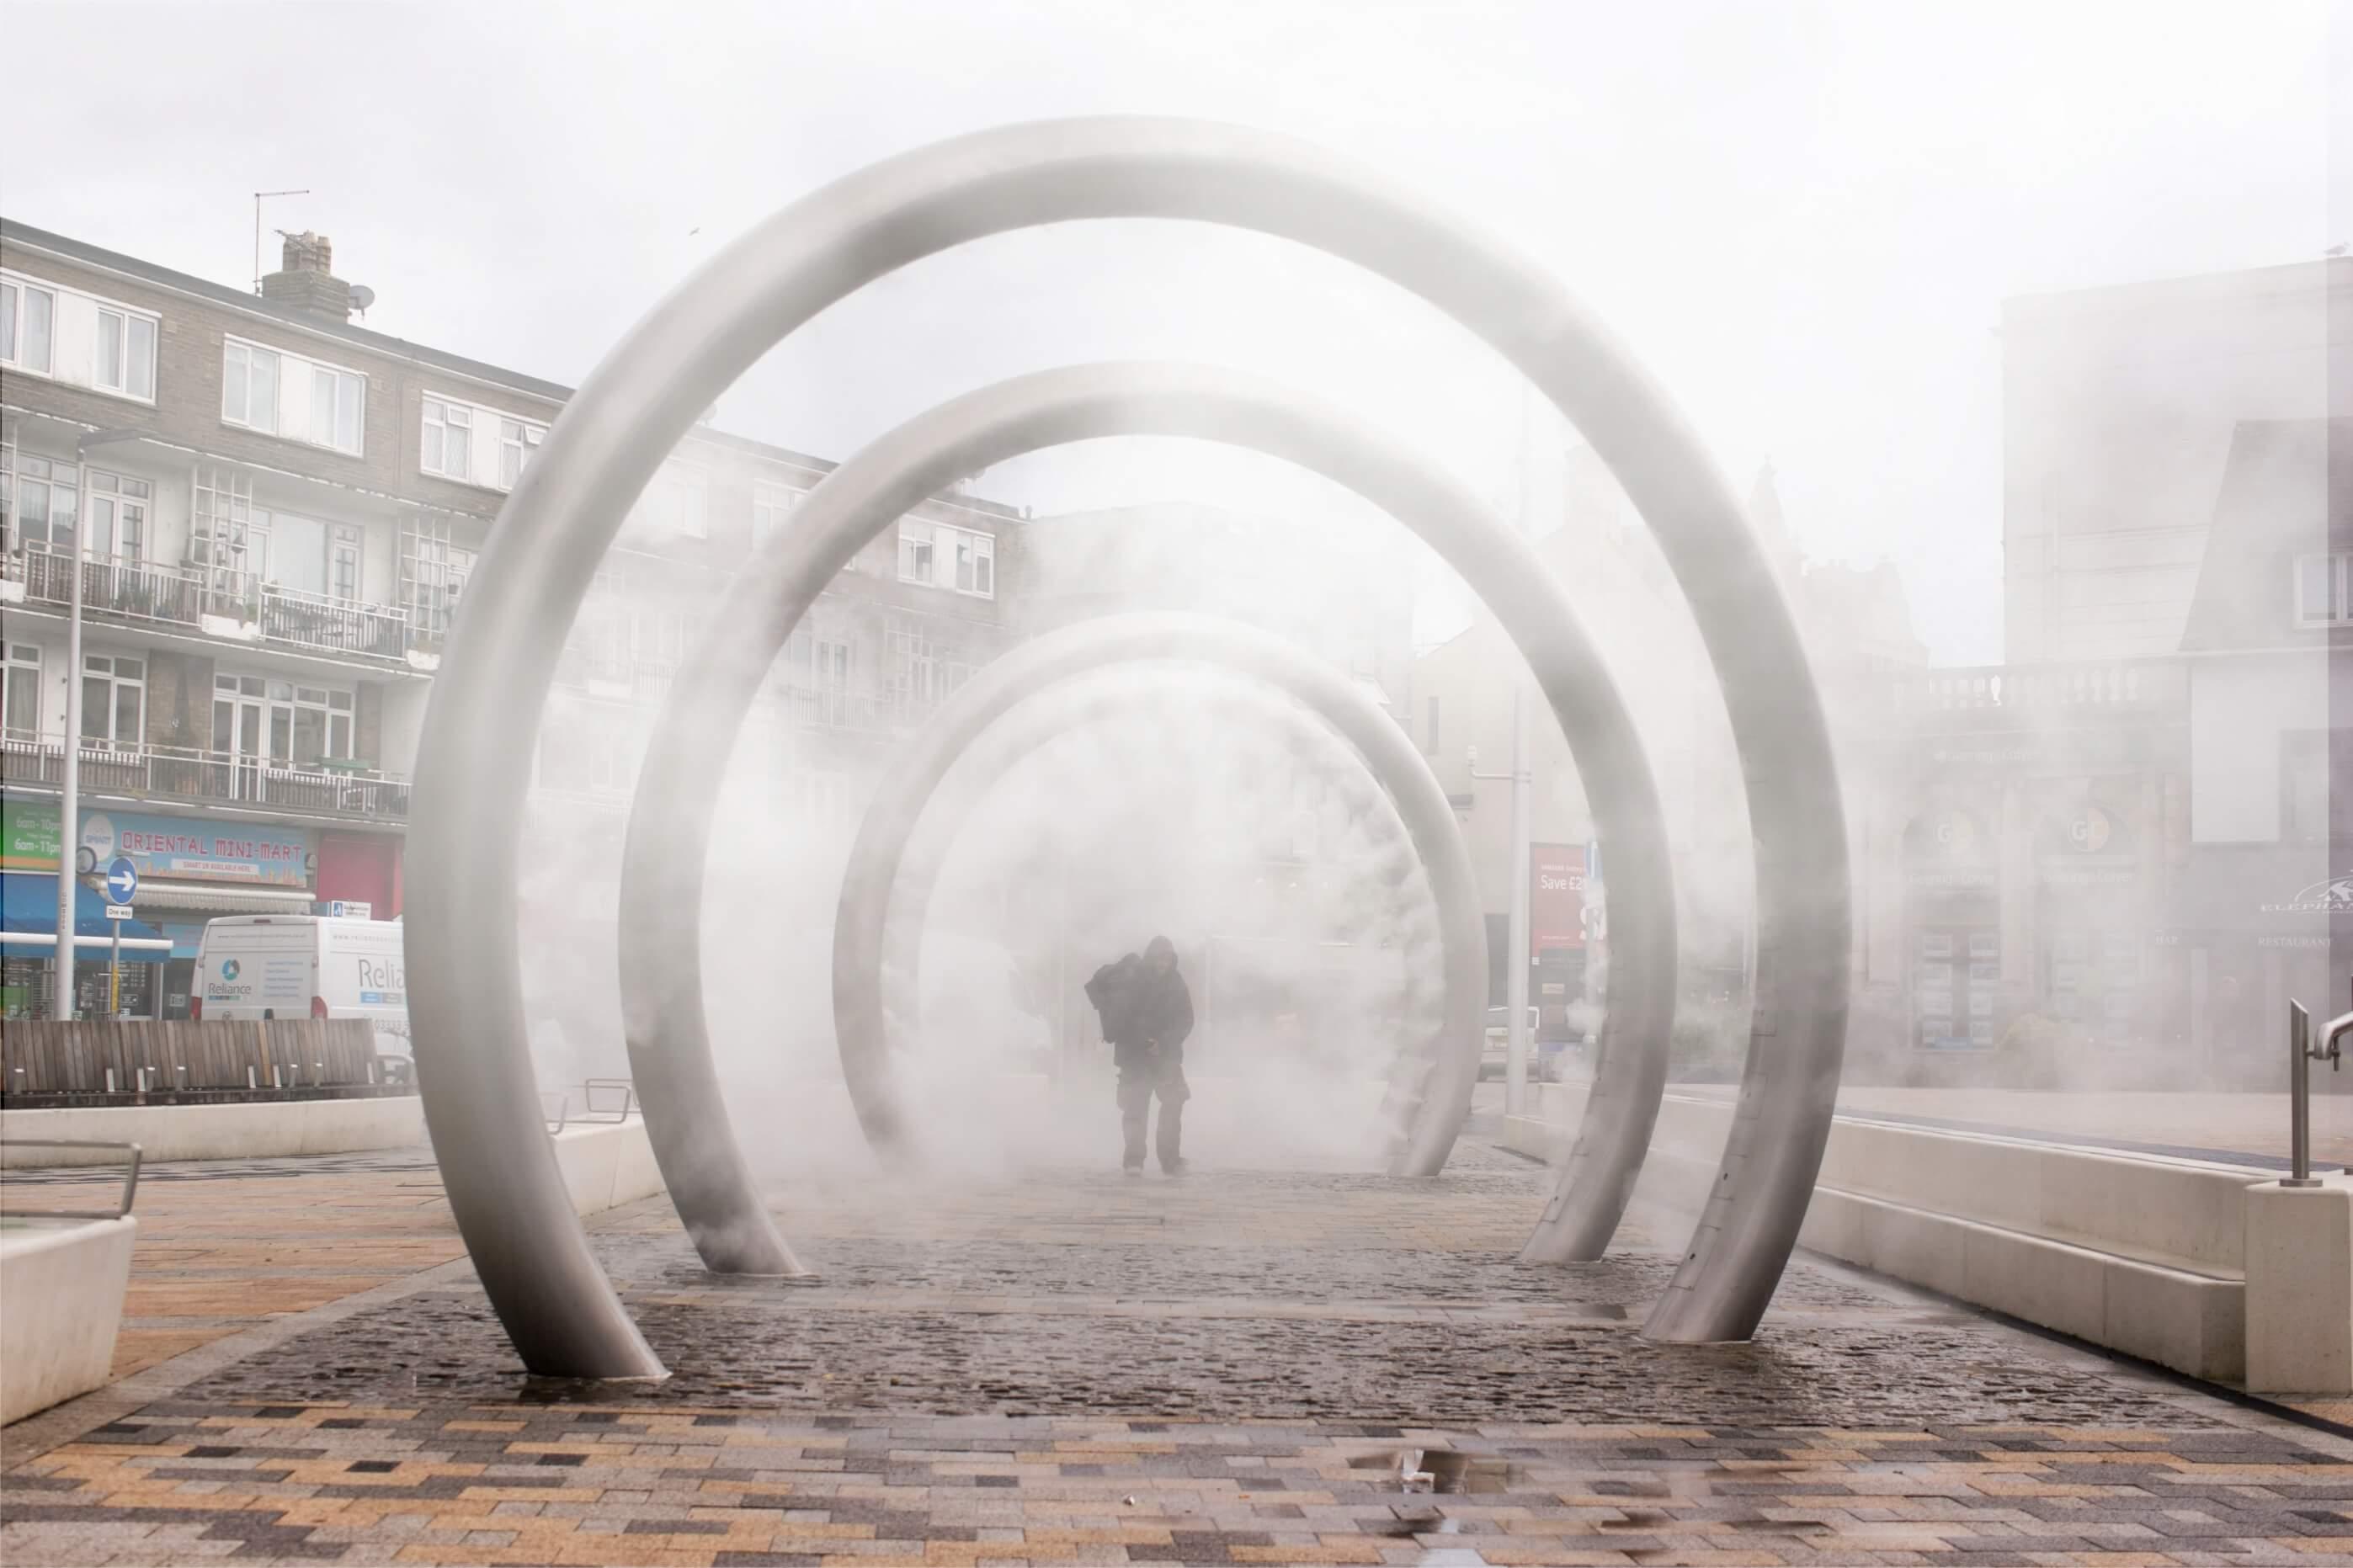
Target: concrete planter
<point x="61" y="1284"/>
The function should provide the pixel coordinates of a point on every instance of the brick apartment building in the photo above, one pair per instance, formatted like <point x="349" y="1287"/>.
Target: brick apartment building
<point x="277" y="511"/>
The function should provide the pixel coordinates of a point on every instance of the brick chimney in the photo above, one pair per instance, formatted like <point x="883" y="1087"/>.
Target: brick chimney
<point x="304" y="281"/>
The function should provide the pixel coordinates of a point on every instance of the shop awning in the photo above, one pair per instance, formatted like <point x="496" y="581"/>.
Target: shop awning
<point x="223" y="898"/>
<point x="28" y="909"/>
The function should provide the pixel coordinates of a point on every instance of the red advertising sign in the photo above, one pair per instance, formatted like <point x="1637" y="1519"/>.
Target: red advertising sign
<point x="1556" y="896"/>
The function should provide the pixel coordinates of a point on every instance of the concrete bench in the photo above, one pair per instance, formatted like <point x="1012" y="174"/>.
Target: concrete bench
<point x="2143" y="1254"/>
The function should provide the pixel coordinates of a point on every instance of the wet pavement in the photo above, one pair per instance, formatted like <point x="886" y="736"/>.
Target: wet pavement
<point x="1066" y="1367"/>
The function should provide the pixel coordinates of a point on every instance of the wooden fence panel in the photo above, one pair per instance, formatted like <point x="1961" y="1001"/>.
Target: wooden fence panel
<point x="43" y="1055"/>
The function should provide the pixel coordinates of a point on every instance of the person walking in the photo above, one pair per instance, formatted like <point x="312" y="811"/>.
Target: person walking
<point x="1148" y="1011"/>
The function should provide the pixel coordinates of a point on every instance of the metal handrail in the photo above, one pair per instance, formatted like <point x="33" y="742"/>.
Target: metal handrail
<point x="562" y="1116"/>
<point x="129" y="1176"/>
<point x="2302" y="1053"/>
<point x="588" y="1088"/>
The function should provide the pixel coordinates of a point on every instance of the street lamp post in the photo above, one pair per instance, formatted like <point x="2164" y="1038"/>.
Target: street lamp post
<point x="61" y="1003"/>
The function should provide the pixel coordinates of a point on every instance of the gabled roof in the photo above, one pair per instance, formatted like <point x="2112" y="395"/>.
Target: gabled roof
<point x="2287" y="484"/>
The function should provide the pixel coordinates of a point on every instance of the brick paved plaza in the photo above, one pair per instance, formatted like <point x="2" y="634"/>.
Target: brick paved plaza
<point x="1068" y="1368"/>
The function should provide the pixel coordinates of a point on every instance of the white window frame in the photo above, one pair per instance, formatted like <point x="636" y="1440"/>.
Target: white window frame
<point x="937" y="556"/>
<point x="126" y="494"/>
<point x="116" y="682"/>
<point x="337" y="383"/>
<point x="14" y="334"/>
<point x="919" y="552"/>
<point x="772" y="507"/>
<point x="23" y="672"/>
<point x="519" y="438"/>
<point x="129" y="358"/>
<point x="346" y="546"/>
<point x="240" y="356"/>
<point x="678" y="487"/>
<point x="976" y="550"/>
<point x="117" y="375"/>
<point x="2337" y="586"/>
<point x="232" y="347"/>
<point x="445" y="414"/>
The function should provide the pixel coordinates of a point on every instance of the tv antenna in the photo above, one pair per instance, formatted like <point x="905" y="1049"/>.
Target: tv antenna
<point x="259" y="197"/>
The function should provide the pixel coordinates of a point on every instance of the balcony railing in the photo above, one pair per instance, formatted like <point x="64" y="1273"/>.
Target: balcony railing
<point x="135" y="590"/>
<point x="171" y="772"/>
<point x="332" y="625"/>
<point x="819" y="708"/>
<point x="184" y="595"/>
<point x="2022" y="688"/>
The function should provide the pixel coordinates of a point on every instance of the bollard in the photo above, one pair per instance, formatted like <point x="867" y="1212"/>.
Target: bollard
<point x="252" y="1079"/>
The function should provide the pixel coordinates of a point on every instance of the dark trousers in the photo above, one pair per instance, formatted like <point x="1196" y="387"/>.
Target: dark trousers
<point x="1138" y="1081"/>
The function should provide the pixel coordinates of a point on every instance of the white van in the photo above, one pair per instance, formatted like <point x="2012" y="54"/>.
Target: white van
<point x="306" y="966"/>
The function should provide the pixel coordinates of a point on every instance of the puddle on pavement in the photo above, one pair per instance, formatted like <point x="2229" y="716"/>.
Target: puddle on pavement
<point x="1441" y="1470"/>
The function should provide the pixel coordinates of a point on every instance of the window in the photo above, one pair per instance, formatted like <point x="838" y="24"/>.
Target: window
<point x="27" y="325"/>
<point x="772" y="504"/>
<point x="673" y="505"/>
<point x="343" y="564"/>
<point x="324" y="405"/>
<point x="248" y="387"/>
<point x="921" y="674"/>
<point x="433" y="572"/>
<point x="22" y="713"/>
<point x="517" y="442"/>
<point x="976" y="563"/>
<point x="46" y="500"/>
<point x="336" y="399"/>
<point x="113" y="699"/>
<point x="125" y="357"/>
<point x="2323" y="590"/>
<point x="118" y="516"/>
<point x="831" y="670"/>
<point x="448" y="445"/>
<point x="255" y="717"/>
<point x="222" y="538"/>
<point x="915" y="552"/>
<point x="320" y="721"/>
<point x="947" y="557"/>
<point x="1431" y="746"/>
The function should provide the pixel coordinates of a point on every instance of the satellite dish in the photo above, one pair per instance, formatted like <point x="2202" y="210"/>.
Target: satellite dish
<point x="362" y="297"/>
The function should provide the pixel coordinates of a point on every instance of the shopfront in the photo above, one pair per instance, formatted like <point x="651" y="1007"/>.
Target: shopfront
<point x="1557" y="920"/>
<point x="190" y="870"/>
<point x="1951" y="877"/>
<point x="2092" y="920"/>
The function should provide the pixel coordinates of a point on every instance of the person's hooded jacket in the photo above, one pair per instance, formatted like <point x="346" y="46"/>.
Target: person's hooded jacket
<point x="1140" y="1006"/>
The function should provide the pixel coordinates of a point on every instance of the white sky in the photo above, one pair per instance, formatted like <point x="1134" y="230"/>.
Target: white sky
<point x="1802" y="218"/>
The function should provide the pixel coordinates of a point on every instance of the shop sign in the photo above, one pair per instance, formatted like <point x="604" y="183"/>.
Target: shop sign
<point x="28" y="836"/>
<point x="1556" y="896"/>
<point x="1948" y="852"/>
<point x="164" y="847"/>
<point x="2333" y="897"/>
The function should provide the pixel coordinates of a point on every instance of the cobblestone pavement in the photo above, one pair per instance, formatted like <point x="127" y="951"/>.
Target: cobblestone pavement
<point x="1235" y="1367"/>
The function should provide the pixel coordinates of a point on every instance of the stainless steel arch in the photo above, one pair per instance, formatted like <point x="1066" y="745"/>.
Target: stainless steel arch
<point x="474" y="759"/>
<point x="670" y="828"/>
<point x="859" y="1014"/>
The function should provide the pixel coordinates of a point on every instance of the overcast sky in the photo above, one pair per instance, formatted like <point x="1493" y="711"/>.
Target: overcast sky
<point x="1802" y="218"/>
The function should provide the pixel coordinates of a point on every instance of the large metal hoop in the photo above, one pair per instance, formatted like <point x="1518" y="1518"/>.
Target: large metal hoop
<point x="474" y="759"/>
<point x="860" y="1014"/>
